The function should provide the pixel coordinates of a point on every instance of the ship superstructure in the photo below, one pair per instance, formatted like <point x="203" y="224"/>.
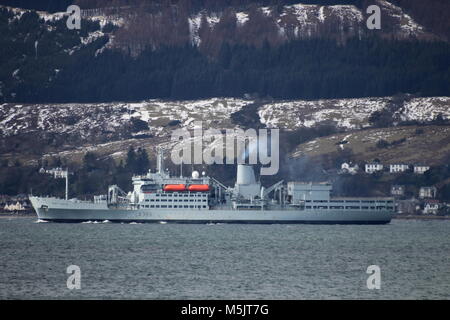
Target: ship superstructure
<point x="159" y="197"/>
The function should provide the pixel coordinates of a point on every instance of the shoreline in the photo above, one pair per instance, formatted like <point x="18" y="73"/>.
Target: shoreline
<point x="21" y="214"/>
<point x="397" y="217"/>
<point x="420" y="217"/>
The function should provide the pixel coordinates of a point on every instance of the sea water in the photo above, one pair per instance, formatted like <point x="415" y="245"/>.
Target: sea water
<point x="224" y="261"/>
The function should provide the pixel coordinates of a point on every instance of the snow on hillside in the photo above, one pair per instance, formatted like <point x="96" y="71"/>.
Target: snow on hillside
<point x="407" y="26"/>
<point x="215" y="112"/>
<point x="424" y="109"/>
<point x="79" y="119"/>
<point x="109" y="128"/>
<point x="116" y="119"/>
<point x="90" y="119"/>
<point x="347" y="113"/>
<point x="307" y="20"/>
<point x="51" y="16"/>
<point x="49" y="20"/>
<point x="103" y="20"/>
<point x="195" y="22"/>
<point x="296" y="20"/>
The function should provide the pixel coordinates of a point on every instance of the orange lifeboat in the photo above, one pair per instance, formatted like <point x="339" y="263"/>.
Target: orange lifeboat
<point x="174" y="187"/>
<point x="198" y="187"/>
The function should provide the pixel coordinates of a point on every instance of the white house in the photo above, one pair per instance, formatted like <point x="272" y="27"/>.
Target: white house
<point x="420" y="169"/>
<point x="373" y="167"/>
<point x="431" y="207"/>
<point x="394" y="168"/>
<point x="397" y="190"/>
<point x="14" y="207"/>
<point x="349" y="168"/>
<point x="427" y="192"/>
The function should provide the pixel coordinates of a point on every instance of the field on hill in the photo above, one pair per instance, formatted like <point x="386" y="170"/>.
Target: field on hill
<point x="408" y="144"/>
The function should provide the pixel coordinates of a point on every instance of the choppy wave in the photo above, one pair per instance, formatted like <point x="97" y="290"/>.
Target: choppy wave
<point x="303" y="261"/>
<point x="95" y="221"/>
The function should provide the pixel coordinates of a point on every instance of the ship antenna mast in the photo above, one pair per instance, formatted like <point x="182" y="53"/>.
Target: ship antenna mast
<point x="59" y="173"/>
<point x="160" y="161"/>
<point x="66" y="174"/>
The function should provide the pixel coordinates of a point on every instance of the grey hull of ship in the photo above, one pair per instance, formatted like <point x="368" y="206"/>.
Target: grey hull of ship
<point x="215" y="216"/>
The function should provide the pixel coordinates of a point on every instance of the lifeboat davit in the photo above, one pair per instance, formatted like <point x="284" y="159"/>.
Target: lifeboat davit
<point x="174" y="187"/>
<point x="198" y="187"/>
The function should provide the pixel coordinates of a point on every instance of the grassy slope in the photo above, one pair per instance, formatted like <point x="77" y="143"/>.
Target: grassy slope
<point x="430" y="147"/>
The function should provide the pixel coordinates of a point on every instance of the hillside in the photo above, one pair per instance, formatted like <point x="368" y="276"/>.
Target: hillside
<point x="101" y="99"/>
<point x="70" y="130"/>
<point x="288" y="51"/>
<point x="31" y="131"/>
<point x="350" y="113"/>
<point x="428" y="144"/>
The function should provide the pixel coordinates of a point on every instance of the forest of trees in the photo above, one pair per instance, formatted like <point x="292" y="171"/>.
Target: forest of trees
<point x="92" y="176"/>
<point x="310" y="69"/>
<point x="242" y="64"/>
<point x="95" y="174"/>
<point x="433" y="14"/>
<point x="363" y="184"/>
<point x="229" y="61"/>
<point x="42" y="5"/>
<point x="194" y="5"/>
<point x="251" y="60"/>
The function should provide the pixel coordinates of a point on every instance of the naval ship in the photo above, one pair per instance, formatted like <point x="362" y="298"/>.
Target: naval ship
<point x="159" y="197"/>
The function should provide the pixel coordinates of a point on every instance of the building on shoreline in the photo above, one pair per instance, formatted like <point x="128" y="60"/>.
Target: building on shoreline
<point x="395" y="168"/>
<point x="349" y="167"/>
<point x="421" y="169"/>
<point x="431" y="207"/>
<point x="373" y="167"/>
<point x="427" y="192"/>
<point x="397" y="191"/>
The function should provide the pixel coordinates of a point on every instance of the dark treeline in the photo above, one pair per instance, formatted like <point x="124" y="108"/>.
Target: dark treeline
<point x="363" y="184"/>
<point x="211" y="5"/>
<point x="95" y="174"/>
<point x="41" y="5"/>
<point x="433" y="14"/>
<point x="91" y="177"/>
<point x="55" y="67"/>
<point x="310" y="69"/>
<point x="195" y="5"/>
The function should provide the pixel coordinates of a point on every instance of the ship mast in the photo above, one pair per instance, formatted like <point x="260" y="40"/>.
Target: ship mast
<point x="160" y="161"/>
<point x="66" y="174"/>
<point x="59" y="173"/>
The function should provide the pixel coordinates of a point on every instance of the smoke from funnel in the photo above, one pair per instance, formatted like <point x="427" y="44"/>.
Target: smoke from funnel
<point x="251" y="151"/>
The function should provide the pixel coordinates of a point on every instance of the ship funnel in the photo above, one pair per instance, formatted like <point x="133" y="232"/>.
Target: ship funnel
<point x="246" y="185"/>
<point x="245" y="174"/>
